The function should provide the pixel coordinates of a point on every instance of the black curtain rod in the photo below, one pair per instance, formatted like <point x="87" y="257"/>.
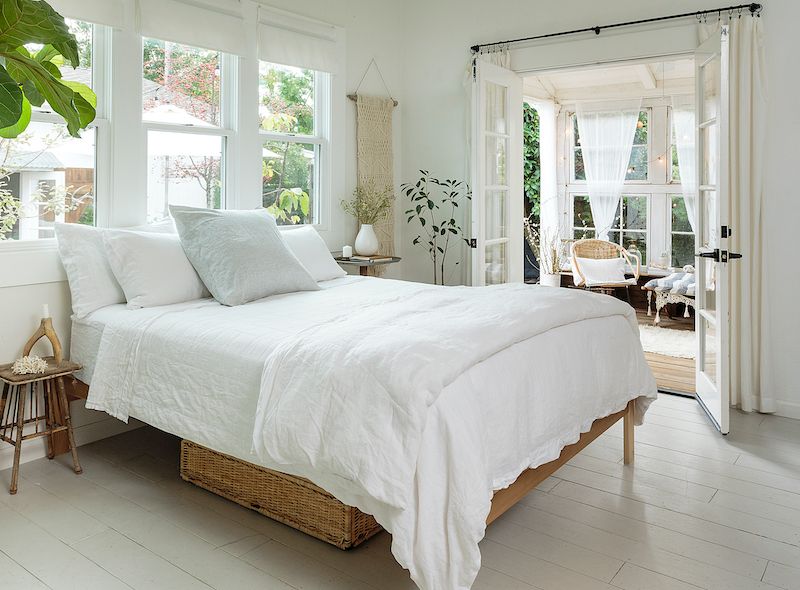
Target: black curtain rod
<point x="755" y="10"/>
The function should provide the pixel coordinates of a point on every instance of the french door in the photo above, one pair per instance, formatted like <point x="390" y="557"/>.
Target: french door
<point x="711" y="238"/>
<point x="497" y="170"/>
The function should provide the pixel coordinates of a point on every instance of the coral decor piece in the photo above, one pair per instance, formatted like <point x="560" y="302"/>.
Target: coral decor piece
<point x="29" y="365"/>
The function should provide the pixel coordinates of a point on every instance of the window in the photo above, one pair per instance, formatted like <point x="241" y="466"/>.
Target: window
<point x="292" y="111"/>
<point x="681" y="233"/>
<point x="638" y="164"/>
<point x="182" y="110"/>
<point x="45" y="174"/>
<point x="629" y="229"/>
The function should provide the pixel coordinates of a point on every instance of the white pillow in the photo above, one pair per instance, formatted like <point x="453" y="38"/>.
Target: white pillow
<point x="165" y="226"/>
<point x="152" y="268"/>
<point x="312" y="252"/>
<point x="240" y="255"/>
<point x="91" y="280"/>
<point x="600" y="271"/>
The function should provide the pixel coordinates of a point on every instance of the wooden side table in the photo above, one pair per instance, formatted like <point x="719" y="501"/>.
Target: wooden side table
<point x="365" y="265"/>
<point x="38" y="402"/>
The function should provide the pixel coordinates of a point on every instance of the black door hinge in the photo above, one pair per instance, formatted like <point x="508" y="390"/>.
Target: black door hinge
<point x="726" y="232"/>
<point x="473" y="242"/>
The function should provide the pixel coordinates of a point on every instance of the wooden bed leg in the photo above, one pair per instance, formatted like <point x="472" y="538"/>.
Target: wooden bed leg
<point x="627" y="426"/>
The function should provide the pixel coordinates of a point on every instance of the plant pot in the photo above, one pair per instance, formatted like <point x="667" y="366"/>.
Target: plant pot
<point x="367" y="243"/>
<point x="550" y="280"/>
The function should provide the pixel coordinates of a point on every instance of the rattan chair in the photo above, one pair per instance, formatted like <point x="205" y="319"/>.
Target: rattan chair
<point x="603" y="250"/>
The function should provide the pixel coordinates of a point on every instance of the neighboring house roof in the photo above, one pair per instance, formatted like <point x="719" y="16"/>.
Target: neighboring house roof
<point x="33" y="161"/>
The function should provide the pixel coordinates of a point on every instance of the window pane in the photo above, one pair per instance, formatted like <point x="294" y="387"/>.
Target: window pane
<point x="640" y="138"/>
<point x="582" y="216"/>
<point x="637" y="166"/>
<point x="682" y="250"/>
<point x="288" y="181"/>
<point x="580" y="170"/>
<point x="182" y="169"/>
<point x="680" y="219"/>
<point x="45" y="176"/>
<point x="286" y="99"/>
<point x="583" y="234"/>
<point x="181" y="84"/>
<point x="635" y="212"/>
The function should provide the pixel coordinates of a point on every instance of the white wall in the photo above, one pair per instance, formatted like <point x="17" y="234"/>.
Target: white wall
<point x="435" y="106"/>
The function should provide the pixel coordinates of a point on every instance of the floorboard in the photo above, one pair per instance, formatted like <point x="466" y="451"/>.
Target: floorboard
<point x="696" y="510"/>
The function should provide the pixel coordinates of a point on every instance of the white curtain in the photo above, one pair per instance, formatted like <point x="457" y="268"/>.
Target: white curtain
<point x="751" y="371"/>
<point x="683" y="123"/>
<point x="751" y="381"/>
<point x="606" y="133"/>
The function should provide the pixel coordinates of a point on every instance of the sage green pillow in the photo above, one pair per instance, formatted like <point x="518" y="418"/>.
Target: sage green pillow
<point x="239" y="255"/>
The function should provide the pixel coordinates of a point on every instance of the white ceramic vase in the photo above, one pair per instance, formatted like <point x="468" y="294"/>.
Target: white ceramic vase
<point x="550" y="280"/>
<point x="367" y="243"/>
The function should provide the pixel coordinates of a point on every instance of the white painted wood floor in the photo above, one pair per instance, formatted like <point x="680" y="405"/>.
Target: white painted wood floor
<point x="696" y="511"/>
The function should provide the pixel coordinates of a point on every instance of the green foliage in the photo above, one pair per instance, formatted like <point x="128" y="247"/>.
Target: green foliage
<point x="288" y="95"/>
<point x="435" y="216"/>
<point x="369" y="204"/>
<point x="291" y="207"/>
<point x="532" y="161"/>
<point x="291" y="170"/>
<point x="37" y="77"/>
<point x="9" y="211"/>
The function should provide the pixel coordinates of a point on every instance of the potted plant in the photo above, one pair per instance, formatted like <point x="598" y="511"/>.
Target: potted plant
<point x="548" y="246"/>
<point x="370" y="204"/>
<point x="435" y="215"/>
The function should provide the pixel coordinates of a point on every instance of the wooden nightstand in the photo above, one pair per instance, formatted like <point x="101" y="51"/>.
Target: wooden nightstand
<point x="365" y="265"/>
<point x="42" y="398"/>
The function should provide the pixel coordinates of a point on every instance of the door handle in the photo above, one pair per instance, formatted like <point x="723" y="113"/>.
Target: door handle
<point x="714" y="254"/>
<point x="734" y="255"/>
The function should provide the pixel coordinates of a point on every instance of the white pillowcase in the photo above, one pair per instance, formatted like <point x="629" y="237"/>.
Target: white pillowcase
<point x="600" y="271"/>
<point x="91" y="280"/>
<point x="312" y="252"/>
<point x="152" y="268"/>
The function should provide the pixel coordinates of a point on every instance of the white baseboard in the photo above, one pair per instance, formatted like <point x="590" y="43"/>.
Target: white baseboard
<point x="788" y="409"/>
<point x="84" y="434"/>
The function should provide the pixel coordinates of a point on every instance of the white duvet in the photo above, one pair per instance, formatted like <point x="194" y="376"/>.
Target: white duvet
<point x="412" y="402"/>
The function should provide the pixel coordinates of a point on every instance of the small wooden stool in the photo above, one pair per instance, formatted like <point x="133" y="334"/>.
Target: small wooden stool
<point x="42" y="398"/>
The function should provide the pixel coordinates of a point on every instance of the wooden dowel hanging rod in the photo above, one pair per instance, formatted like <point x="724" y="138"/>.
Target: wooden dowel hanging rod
<point x="754" y="9"/>
<point x="354" y="98"/>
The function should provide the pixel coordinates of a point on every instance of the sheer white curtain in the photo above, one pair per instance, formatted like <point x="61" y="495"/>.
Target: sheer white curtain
<point x="606" y="133"/>
<point x="683" y="122"/>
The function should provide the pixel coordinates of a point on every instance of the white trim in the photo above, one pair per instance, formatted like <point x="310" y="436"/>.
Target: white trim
<point x="785" y="408"/>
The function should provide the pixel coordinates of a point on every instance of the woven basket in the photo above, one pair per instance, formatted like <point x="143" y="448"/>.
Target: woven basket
<point x="288" y="499"/>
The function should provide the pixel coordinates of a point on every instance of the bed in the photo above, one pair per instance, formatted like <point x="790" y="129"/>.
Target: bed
<point x="313" y="384"/>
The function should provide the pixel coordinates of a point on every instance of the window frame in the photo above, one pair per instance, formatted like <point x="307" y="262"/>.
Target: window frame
<point x="228" y="66"/>
<point x="101" y="84"/>
<point x="573" y="194"/>
<point x="321" y="140"/>
<point x="672" y="232"/>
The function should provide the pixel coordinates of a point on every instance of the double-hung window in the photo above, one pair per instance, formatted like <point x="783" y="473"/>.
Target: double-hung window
<point x="293" y="111"/>
<point x="185" y="118"/>
<point x="47" y="176"/>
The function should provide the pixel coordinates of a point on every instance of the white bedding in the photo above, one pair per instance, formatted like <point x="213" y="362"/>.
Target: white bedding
<point x="195" y="369"/>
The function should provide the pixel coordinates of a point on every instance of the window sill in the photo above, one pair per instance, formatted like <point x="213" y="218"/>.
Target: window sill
<point x="30" y="262"/>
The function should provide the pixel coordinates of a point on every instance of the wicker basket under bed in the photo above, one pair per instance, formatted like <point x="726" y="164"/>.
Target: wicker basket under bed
<point x="288" y="499"/>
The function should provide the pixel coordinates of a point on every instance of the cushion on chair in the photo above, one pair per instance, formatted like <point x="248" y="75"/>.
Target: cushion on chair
<point x="600" y="271"/>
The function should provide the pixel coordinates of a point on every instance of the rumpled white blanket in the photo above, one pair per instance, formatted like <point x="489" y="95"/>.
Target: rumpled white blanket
<point x="351" y="383"/>
<point x="358" y="407"/>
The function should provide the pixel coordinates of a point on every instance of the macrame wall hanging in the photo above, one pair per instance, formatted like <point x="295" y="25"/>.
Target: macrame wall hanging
<point x="375" y="160"/>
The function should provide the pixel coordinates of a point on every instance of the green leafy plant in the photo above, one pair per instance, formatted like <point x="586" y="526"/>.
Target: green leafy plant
<point x="370" y="204"/>
<point x="435" y="215"/>
<point x="33" y="76"/>
<point x="291" y="207"/>
<point x="532" y="162"/>
<point x="9" y="211"/>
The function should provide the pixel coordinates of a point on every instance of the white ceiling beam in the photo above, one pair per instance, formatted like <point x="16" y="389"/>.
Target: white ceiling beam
<point x="646" y="76"/>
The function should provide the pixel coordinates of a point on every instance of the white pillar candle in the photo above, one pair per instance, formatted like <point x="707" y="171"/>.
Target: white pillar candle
<point x="45" y="311"/>
<point x="347" y="252"/>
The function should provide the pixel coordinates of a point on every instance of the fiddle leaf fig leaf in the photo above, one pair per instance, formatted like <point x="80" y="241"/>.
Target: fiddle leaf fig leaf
<point x="11" y="100"/>
<point x="34" y="21"/>
<point x="14" y="130"/>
